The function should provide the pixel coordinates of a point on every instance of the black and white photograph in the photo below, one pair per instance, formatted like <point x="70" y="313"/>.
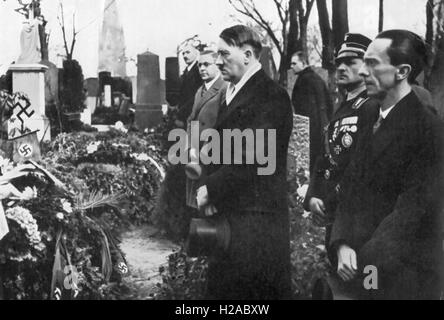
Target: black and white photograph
<point x="203" y="151"/>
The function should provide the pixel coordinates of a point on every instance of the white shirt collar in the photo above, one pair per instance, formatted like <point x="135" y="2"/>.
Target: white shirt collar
<point x="233" y="89"/>
<point x="208" y="85"/>
<point x="384" y="114"/>
<point x="191" y="66"/>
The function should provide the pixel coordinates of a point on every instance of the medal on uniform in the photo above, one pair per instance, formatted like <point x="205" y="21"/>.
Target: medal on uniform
<point x="347" y="140"/>
<point x="338" y="150"/>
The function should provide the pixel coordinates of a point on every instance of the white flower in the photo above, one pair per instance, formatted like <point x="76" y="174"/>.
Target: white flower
<point x="302" y="191"/>
<point x="120" y="126"/>
<point x="25" y="220"/>
<point x="66" y="205"/>
<point x="143" y="157"/>
<point x="6" y="165"/>
<point x="306" y="214"/>
<point x="93" y="147"/>
<point x="60" y="216"/>
<point x="29" y="193"/>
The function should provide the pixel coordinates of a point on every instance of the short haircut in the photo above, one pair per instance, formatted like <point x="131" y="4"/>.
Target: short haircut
<point x="240" y="35"/>
<point x="211" y="53"/>
<point x="301" y="56"/>
<point x="406" y="48"/>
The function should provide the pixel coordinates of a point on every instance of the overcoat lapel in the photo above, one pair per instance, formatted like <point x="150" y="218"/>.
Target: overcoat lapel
<point x="391" y="130"/>
<point x="243" y="97"/>
<point x="211" y="93"/>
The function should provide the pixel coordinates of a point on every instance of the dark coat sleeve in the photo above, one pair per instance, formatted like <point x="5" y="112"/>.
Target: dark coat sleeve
<point x="190" y="85"/>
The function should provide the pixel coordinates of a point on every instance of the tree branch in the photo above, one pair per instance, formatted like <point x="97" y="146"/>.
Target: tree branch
<point x="249" y="9"/>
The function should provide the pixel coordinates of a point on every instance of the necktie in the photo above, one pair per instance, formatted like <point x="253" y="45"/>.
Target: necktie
<point x="378" y="124"/>
<point x="204" y="90"/>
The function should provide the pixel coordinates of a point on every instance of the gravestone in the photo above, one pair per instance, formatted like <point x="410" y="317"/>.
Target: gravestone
<point x="92" y="93"/>
<point x="172" y="80"/>
<point x="105" y="84"/>
<point x="148" y="103"/>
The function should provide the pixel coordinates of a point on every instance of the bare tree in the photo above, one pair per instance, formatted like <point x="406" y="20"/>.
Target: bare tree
<point x="293" y="18"/>
<point x="339" y="21"/>
<point x="435" y="38"/>
<point x="326" y="34"/>
<point x="332" y="37"/>
<point x="69" y="49"/>
<point x="381" y="16"/>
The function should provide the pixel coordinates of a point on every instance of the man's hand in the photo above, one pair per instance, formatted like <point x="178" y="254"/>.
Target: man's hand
<point x="347" y="263"/>
<point x="202" y="197"/>
<point x="317" y="208"/>
<point x="210" y="211"/>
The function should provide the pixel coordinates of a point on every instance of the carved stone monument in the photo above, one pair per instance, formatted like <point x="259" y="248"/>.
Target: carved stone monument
<point x="30" y="79"/>
<point x="28" y="76"/>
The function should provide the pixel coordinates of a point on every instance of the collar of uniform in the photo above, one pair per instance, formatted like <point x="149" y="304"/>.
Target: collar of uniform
<point x="233" y="89"/>
<point x="355" y="93"/>
<point x="208" y="85"/>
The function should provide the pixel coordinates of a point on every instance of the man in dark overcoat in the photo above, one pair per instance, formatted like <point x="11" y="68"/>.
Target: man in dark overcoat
<point x="311" y="99"/>
<point x="257" y="264"/>
<point x="190" y="83"/>
<point x="387" y="229"/>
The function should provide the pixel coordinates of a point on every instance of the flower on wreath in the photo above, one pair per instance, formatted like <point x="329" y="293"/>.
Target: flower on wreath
<point x="60" y="216"/>
<point x="93" y="147"/>
<point x="27" y="222"/>
<point x="140" y="157"/>
<point x="67" y="207"/>
<point x="6" y="165"/>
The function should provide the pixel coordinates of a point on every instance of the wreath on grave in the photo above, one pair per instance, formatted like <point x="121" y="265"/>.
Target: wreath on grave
<point x="45" y="220"/>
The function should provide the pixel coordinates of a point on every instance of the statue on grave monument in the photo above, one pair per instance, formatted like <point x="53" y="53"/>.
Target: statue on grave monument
<point x="30" y="41"/>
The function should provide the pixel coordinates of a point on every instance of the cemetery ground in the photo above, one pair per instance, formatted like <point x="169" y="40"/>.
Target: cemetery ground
<point x="114" y="229"/>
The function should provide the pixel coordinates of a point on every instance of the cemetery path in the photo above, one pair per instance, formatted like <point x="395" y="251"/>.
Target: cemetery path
<point x="145" y="253"/>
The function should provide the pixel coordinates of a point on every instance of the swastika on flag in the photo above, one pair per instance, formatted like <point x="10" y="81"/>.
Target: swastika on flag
<point x="25" y="150"/>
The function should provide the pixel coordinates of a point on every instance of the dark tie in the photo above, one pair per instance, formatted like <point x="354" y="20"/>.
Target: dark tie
<point x="204" y="90"/>
<point x="378" y="124"/>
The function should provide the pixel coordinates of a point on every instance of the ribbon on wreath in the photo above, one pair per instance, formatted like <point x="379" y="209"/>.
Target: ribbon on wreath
<point x="4" y="229"/>
<point x="64" y="284"/>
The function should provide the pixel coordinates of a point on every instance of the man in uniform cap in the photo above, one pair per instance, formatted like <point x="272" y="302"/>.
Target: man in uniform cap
<point x="342" y="132"/>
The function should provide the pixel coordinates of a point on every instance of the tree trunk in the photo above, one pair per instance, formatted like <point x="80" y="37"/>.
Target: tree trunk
<point x="381" y="16"/>
<point x="436" y="77"/>
<point x="326" y="34"/>
<point x="340" y="21"/>
<point x="429" y="23"/>
<point x="293" y="41"/>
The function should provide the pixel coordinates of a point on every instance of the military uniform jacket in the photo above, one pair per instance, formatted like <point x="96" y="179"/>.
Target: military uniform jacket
<point x="340" y="140"/>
